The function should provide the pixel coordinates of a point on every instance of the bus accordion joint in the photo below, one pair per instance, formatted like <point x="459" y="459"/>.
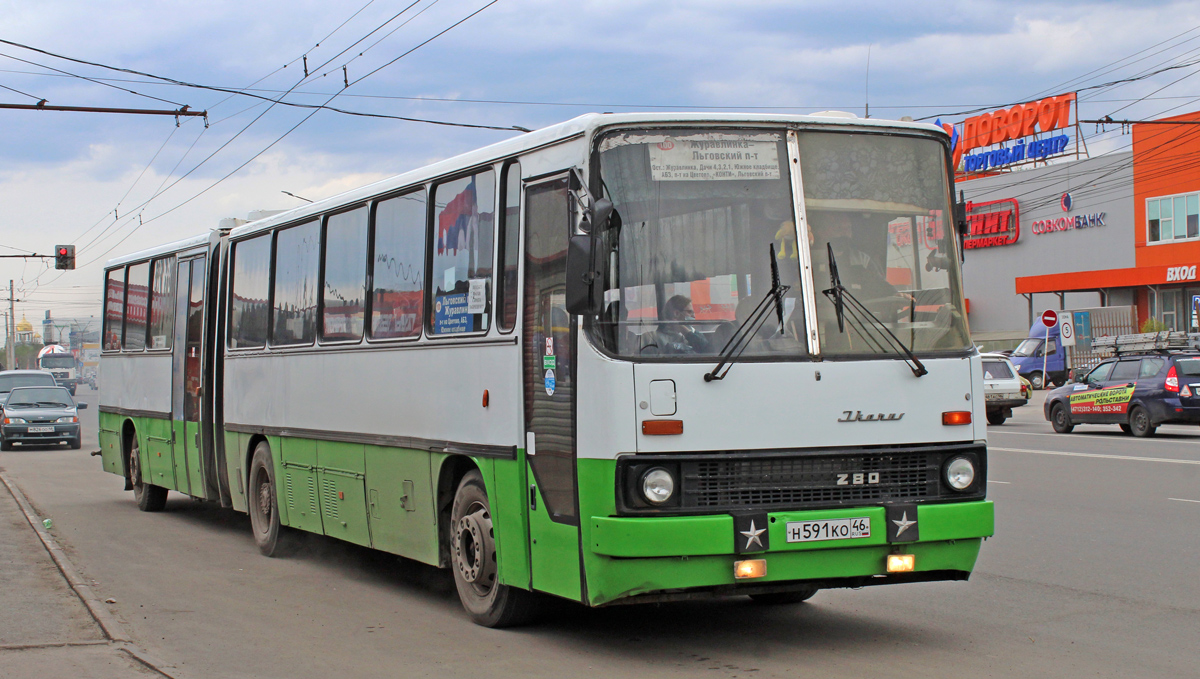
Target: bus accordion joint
<point x="956" y="417"/>
<point x="662" y="427"/>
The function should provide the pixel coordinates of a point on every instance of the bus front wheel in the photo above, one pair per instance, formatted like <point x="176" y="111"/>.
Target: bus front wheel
<point x="473" y="561"/>
<point x="269" y="534"/>
<point x="149" y="497"/>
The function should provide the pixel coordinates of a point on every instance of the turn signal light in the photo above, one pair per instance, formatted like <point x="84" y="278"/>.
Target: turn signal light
<point x="901" y="563"/>
<point x="662" y="427"/>
<point x="750" y="568"/>
<point x="955" y="417"/>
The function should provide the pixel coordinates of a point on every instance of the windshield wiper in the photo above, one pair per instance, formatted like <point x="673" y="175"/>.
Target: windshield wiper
<point x="861" y="317"/>
<point x="53" y="403"/>
<point x="746" y="330"/>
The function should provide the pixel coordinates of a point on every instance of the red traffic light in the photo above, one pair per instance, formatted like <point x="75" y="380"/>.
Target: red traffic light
<point x="62" y="251"/>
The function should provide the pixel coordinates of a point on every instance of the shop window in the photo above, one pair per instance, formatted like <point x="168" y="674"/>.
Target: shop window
<point x="1193" y="215"/>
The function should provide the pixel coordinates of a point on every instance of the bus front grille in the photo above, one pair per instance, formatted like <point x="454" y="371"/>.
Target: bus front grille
<point x="717" y="482"/>
<point x="811" y="480"/>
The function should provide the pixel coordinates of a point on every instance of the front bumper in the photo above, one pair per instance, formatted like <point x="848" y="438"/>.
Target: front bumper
<point x="19" y="433"/>
<point x="668" y="557"/>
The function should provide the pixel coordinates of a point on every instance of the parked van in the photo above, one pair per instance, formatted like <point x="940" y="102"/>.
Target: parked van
<point x="1029" y="354"/>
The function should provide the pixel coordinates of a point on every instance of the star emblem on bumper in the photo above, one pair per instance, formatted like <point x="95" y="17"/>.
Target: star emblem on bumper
<point x="902" y="524"/>
<point x="752" y="536"/>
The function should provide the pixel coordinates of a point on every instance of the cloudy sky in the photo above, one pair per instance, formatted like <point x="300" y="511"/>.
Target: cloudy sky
<point x="113" y="184"/>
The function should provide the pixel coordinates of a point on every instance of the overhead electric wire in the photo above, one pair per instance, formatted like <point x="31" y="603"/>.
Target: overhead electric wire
<point x="83" y="77"/>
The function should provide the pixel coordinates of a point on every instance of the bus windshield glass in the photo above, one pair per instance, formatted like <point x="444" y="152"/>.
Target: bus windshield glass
<point x="695" y="216"/>
<point x="880" y="203"/>
<point x="58" y="361"/>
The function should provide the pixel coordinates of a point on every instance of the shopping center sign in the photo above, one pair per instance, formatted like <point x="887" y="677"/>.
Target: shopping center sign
<point x="1016" y="124"/>
<point x="993" y="223"/>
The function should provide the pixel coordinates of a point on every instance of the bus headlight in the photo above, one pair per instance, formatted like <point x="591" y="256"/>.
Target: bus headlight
<point x="657" y="485"/>
<point x="960" y="473"/>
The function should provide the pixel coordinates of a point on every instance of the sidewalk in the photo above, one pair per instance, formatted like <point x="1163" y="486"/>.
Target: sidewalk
<point x="45" y="628"/>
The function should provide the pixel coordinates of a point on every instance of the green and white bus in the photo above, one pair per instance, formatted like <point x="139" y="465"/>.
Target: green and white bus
<point x="634" y="357"/>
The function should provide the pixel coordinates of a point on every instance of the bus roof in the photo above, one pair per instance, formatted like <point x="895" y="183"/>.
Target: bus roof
<point x="164" y="249"/>
<point x="576" y="127"/>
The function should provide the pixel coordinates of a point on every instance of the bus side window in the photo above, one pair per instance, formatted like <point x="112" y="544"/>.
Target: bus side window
<point x="248" y="306"/>
<point x="345" y="273"/>
<point x="398" y="267"/>
<point x="294" y="319"/>
<point x="162" y="303"/>
<point x="463" y="221"/>
<point x="508" y="241"/>
<point x="114" y="302"/>
<point x="137" y="295"/>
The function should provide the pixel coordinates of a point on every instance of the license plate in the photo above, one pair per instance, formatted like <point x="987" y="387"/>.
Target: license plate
<point x="1000" y="397"/>
<point x="829" y="529"/>
<point x="41" y="430"/>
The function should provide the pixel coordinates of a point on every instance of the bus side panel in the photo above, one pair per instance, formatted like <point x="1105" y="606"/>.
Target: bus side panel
<point x="401" y="502"/>
<point x="110" y="443"/>
<point x="296" y="482"/>
<point x="154" y="436"/>
<point x="236" y="446"/>
<point x="508" y="496"/>
<point x="341" y="482"/>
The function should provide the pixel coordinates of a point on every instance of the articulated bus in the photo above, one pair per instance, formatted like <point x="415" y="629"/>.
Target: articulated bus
<point x="626" y="358"/>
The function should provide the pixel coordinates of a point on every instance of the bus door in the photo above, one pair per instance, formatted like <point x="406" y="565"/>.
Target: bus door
<point x="548" y="342"/>
<point x="187" y="385"/>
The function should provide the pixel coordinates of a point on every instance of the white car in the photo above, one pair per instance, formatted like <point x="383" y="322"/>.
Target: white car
<point x="1001" y="388"/>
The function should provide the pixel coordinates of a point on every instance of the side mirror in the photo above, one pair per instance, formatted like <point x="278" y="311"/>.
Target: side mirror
<point x="81" y="406"/>
<point x="1080" y="378"/>
<point x="585" y="295"/>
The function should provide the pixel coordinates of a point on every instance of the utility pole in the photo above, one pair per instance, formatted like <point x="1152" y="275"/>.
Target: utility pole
<point x="12" y="329"/>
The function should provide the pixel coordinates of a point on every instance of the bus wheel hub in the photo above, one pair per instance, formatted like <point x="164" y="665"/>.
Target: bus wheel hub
<point x="471" y="548"/>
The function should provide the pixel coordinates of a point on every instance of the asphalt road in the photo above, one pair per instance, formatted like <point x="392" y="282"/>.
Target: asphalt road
<point x="1093" y="572"/>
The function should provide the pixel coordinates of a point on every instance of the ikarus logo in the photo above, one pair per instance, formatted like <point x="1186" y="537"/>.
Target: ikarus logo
<point x="857" y="416"/>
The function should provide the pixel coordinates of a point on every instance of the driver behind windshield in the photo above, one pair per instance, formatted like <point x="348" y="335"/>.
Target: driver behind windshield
<point x="675" y="334"/>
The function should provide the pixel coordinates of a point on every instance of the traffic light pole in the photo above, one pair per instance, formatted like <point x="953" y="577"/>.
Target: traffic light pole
<point x="12" y="329"/>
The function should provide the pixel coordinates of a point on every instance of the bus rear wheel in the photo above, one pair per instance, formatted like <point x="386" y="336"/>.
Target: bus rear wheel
<point x="149" y="497"/>
<point x="782" y="598"/>
<point x="269" y="534"/>
<point x="473" y="561"/>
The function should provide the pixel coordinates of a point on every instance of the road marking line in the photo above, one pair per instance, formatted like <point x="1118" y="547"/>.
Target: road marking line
<point x="1099" y="435"/>
<point x="1179" y="499"/>
<point x="1007" y="483"/>
<point x="1097" y="455"/>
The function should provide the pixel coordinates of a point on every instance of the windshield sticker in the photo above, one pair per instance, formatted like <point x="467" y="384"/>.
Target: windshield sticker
<point x="1110" y="400"/>
<point x="477" y="296"/>
<point x="450" y="314"/>
<point x="713" y="159"/>
<point x="549" y="382"/>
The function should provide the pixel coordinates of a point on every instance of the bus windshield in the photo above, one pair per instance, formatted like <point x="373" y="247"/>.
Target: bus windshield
<point x="695" y="216"/>
<point x="58" y="361"/>
<point x="699" y="215"/>
<point x="880" y="203"/>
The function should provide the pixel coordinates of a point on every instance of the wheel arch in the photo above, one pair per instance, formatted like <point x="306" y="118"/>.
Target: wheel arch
<point x="247" y="459"/>
<point x="450" y="474"/>
<point x="128" y="434"/>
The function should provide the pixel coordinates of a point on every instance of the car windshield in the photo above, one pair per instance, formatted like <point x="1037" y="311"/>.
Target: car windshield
<point x="697" y="214"/>
<point x="40" y="397"/>
<point x="996" y="370"/>
<point x="1027" y="348"/>
<point x="58" y="361"/>
<point x="10" y="382"/>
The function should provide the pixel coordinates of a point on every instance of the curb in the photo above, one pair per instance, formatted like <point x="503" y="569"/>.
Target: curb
<point x="112" y="628"/>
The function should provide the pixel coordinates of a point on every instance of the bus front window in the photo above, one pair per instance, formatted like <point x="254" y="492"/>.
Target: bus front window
<point x="696" y="215"/>
<point x="880" y="204"/>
